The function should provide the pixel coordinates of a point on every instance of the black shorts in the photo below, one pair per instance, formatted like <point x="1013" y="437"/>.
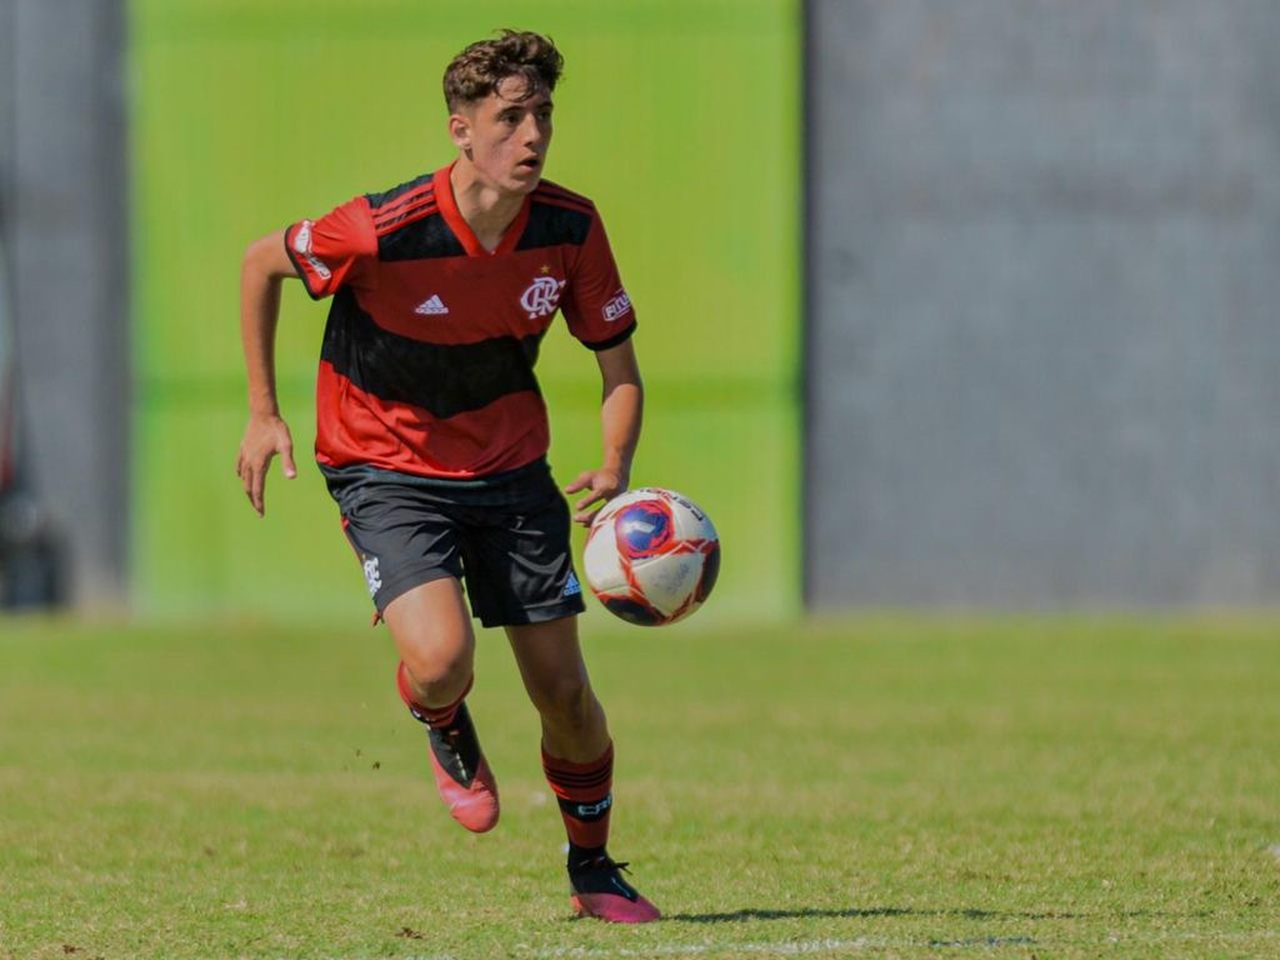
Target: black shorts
<point x="505" y="536"/>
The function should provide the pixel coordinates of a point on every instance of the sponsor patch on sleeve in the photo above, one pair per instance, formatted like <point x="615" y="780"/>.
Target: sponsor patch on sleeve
<point x="617" y="307"/>
<point x="302" y="247"/>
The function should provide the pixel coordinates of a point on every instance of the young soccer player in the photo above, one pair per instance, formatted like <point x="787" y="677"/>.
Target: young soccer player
<point x="432" y="434"/>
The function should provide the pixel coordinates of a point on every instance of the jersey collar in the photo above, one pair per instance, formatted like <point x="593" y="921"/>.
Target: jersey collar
<point x="462" y="230"/>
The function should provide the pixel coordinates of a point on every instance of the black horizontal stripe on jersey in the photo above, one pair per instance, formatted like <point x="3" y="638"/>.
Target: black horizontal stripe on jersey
<point x="443" y="379"/>
<point x="555" y="190"/>
<point x="377" y="200"/>
<point x="413" y="211"/>
<point x="550" y="198"/>
<point x="550" y="225"/>
<point x="396" y="211"/>
<point x="424" y="239"/>
<point x="507" y="488"/>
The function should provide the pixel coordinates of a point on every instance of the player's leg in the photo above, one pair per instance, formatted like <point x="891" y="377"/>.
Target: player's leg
<point x="407" y="543"/>
<point x="520" y="577"/>
<point x="549" y="656"/>
<point x="577" y="757"/>
<point x="432" y="630"/>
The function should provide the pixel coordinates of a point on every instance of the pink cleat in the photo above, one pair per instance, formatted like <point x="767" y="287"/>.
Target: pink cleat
<point x="596" y="889"/>
<point x="466" y="784"/>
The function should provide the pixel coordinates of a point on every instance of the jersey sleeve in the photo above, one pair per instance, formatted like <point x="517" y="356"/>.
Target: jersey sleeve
<point x="596" y="306"/>
<point x="331" y="251"/>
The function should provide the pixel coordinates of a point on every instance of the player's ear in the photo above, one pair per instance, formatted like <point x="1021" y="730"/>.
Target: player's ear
<point x="460" y="130"/>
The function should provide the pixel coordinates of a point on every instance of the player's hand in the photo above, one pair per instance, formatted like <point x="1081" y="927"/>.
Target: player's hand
<point x="264" y="437"/>
<point x="601" y="485"/>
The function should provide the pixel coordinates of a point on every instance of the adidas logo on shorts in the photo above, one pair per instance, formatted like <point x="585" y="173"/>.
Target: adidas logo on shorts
<point x="573" y="587"/>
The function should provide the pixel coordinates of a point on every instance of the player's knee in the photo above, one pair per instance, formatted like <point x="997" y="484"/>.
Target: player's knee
<point x="429" y="674"/>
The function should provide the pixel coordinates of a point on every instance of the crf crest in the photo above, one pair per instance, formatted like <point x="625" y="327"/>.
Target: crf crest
<point x="542" y="297"/>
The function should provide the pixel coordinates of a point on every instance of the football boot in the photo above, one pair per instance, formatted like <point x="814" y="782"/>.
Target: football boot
<point x="596" y="889"/>
<point x="466" y="784"/>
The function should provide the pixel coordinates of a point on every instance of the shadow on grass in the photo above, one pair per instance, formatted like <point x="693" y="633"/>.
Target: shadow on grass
<point x="739" y="916"/>
<point x="742" y="916"/>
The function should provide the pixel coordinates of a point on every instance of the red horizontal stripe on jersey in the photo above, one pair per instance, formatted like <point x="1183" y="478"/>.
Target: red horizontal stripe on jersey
<point x="413" y="195"/>
<point x="393" y="312"/>
<point x="354" y="427"/>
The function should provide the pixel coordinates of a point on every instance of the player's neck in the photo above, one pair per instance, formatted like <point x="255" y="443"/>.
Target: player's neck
<point x="487" y="209"/>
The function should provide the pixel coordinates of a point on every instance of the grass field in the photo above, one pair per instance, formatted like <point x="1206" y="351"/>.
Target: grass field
<point x="880" y="787"/>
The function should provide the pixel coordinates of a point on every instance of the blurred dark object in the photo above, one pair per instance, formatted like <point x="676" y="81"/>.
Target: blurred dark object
<point x="31" y="554"/>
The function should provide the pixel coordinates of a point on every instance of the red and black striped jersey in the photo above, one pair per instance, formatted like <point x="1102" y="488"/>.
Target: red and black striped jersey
<point x="428" y="359"/>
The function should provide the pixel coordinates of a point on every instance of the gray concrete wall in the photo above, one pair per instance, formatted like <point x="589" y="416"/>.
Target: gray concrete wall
<point x="63" y="208"/>
<point x="1044" y="357"/>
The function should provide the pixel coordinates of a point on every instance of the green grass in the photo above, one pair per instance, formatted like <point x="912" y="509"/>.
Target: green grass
<point x="882" y="787"/>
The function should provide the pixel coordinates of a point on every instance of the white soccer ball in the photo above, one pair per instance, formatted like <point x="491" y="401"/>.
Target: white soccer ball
<point x="652" y="556"/>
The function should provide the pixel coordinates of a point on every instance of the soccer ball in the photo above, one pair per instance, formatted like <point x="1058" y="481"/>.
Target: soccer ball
<point x="652" y="556"/>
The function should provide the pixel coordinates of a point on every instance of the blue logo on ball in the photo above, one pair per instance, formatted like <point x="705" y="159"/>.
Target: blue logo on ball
<point x="643" y="529"/>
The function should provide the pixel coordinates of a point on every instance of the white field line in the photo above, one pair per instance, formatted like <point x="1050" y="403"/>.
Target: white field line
<point x="795" y="948"/>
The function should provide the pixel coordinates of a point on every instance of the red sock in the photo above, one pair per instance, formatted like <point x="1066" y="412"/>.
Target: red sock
<point x="431" y="716"/>
<point x="584" y="792"/>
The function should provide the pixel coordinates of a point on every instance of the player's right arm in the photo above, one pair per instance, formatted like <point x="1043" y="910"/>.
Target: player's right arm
<point x="265" y="265"/>
<point x="324" y="254"/>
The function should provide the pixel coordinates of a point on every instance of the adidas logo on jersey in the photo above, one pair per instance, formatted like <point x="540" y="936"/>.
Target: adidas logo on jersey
<point x="432" y="306"/>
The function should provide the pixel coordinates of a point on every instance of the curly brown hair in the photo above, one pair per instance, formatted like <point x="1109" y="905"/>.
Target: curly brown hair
<point x="479" y="69"/>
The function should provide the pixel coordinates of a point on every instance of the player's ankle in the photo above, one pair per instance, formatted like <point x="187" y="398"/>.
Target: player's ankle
<point x="580" y="856"/>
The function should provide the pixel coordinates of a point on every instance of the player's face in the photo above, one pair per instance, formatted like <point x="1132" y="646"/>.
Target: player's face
<point x="506" y="135"/>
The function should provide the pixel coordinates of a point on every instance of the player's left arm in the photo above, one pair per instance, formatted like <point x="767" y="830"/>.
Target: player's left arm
<point x="621" y="412"/>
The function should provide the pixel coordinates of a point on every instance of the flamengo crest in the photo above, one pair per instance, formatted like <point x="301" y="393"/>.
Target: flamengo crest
<point x="372" y="575"/>
<point x="542" y="297"/>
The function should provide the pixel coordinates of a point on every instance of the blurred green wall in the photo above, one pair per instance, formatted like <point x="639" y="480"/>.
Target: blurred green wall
<point x="680" y="119"/>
